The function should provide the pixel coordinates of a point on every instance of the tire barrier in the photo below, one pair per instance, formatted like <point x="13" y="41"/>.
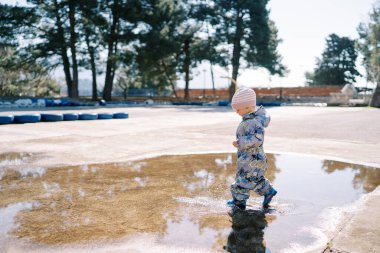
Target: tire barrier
<point x="6" y="119"/>
<point x="188" y="103"/>
<point x="268" y="104"/>
<point x="105" y="115"/>
<point x="70" y="116"/>
<point x="27" y="118"/>
<point x="223" y="103"/>
<point x="51" y="117"/>
<point x="88" y="116"/>
<point x="120" y="115"/>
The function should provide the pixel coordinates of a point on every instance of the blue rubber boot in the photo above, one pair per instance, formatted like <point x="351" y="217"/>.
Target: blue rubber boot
<point x="268" y="197"/>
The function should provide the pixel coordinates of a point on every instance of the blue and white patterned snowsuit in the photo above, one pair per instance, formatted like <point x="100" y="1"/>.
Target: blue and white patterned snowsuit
<point x="251" y="159"/>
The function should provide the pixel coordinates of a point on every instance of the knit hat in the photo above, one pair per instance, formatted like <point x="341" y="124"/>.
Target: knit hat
<point x="243" y="97"/>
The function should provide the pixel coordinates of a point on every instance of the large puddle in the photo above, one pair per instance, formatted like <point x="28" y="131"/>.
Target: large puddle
<point x="173" y="204"/>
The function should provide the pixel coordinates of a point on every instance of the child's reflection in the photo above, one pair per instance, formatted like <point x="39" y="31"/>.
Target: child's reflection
<point x="247" y="233"/>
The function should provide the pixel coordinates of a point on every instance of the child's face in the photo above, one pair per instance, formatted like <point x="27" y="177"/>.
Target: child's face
<point x="244" y="111"/>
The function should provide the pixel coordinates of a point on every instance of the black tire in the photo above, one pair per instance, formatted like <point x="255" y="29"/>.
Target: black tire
<point x="27" y="118"/>
<point x="6" y="119"/>
<point x="120" y="115"/>
<point x="70" y="116"/>
<point x="105" y="115"/>
<point x="88" y="116"/>
<point x="51" y="117"/>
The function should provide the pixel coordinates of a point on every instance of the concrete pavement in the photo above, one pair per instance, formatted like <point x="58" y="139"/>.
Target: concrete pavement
<point x="347" y="134"/>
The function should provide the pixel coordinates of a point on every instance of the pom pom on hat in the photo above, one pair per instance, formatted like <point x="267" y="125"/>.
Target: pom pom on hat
<point x="243" y="97"/>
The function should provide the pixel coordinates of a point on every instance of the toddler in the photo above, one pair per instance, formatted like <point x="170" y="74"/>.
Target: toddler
<point x="251" y="159"/>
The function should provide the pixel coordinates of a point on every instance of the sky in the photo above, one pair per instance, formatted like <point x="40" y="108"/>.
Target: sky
<point x="303" y="26"/>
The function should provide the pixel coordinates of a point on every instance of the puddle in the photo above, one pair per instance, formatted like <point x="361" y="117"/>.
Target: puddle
<point x="173" y="204"/>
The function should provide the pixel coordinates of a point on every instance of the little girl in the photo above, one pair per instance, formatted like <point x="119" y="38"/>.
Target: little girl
<point x="251" y="159"/>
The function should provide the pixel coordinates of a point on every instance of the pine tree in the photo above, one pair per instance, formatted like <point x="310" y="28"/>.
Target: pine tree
<point x="245" y="26"/>
<point x="337" y="65"/>
<point x="369" y="46"/>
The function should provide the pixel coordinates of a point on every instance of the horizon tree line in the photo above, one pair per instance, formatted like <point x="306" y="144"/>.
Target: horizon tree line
<point x="140" y="43"/>
<point x="154" y="43"/>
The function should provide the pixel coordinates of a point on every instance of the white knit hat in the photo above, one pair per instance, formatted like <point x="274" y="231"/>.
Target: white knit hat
<point x="243" y="97"/>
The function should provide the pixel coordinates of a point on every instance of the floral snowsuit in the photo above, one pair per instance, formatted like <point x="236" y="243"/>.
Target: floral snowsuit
<point x="251" y="159"/>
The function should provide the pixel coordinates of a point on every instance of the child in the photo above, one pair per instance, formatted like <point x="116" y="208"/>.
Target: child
<point x="251" y="159"/>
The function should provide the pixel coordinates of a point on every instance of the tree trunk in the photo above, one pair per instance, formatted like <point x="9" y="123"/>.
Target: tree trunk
<point x="213" y="80"/>
<point x="91" y="52"/>
<point x="187" y="67"/>
<point x="236" y="53"/>
<point x="168" y="77"/>
<point x="114" y="53"/>
<point x="63" y="49"/>
<point x="375" y="100"/>
<point x="211" y="64"/>
<point x="73" y="40"/>
<point x="125" y="93"/>
<point x="108" y="82"/>
<point x="94" y="82"/>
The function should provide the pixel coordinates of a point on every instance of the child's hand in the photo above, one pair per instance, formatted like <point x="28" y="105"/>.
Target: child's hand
<point x="235" y="144"/>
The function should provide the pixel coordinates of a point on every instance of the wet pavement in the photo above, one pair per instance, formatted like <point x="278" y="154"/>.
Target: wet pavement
<point x="173" y="204"/>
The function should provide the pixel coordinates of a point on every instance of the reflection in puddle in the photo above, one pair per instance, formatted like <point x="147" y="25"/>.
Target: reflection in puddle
<point x="7" y="215"/>
<point x="13" y="159"/>
<point x="224" y="162"/>
<point x="202" y="236"/>
<point x="179" y="200"/>
<point x="247" y="233"/>
<point x="16" y="165"/>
